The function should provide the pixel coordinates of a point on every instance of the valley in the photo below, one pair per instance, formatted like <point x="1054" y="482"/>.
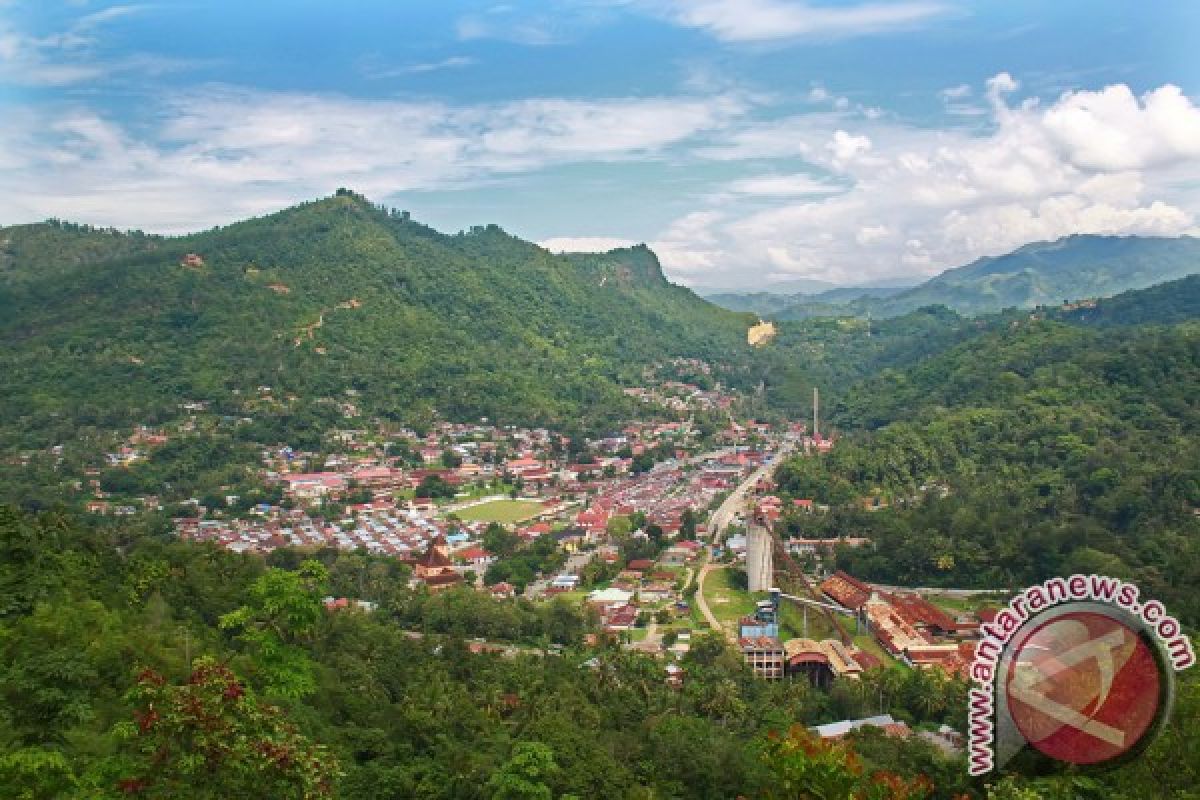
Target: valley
<point x="529" y="477"/>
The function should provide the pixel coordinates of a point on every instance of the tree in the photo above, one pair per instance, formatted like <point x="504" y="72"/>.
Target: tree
<point x="499" y="540"/>
<point x="434" y="486"/>
<point x="212" y="738"/>
<point x="524" y="775"/>
<point x="804" y="767"/>
<point x="283" y="612"/>
<point x="687" y="524"/>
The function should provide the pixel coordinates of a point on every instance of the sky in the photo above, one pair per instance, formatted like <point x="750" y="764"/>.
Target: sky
<point x="748" y="142"/>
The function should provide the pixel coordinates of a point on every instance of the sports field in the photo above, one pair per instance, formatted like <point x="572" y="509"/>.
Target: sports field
<point x="502" y="511"/>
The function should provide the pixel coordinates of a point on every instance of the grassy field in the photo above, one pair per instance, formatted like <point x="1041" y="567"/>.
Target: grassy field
<point x="503" y="511"/>
<point x="792" y="619"/>
<point x="727" y="602"/>
<point x="866" y="642"/>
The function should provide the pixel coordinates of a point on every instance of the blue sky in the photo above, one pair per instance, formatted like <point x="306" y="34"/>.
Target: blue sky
<point x="748" y="141"/>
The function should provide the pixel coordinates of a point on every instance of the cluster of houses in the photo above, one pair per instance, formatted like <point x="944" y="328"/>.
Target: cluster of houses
<point x="435" y="547"/>
<point x="666" y="492"/>
<point x="667" y="386"/>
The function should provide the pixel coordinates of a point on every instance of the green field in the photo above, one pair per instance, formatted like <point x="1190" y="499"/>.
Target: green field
<point x="503" y="511"/>
<point x="792" y="622"/>
<point x="727" y="603"/>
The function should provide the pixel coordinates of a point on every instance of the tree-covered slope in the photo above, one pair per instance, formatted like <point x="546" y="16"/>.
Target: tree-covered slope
<point x="105" y="329"/>
<point x="1165" y="304"/>
<point x="1044" y="273"/>
<point x="1034" y="450"/>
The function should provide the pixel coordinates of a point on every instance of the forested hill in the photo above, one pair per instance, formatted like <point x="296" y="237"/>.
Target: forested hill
<point x="106" y="329"/>
<point x="1032" y="450"/>
<point x="1075" y="268"/>
<point x="1167" y="303"/>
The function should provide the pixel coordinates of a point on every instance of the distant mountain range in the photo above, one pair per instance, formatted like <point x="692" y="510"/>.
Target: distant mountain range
<point x="772" y="304"/>
<point x="1041" y="274"/>
<point x="780" y="288"/>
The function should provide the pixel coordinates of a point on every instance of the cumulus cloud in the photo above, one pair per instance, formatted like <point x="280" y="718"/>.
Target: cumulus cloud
<point x="846" y="147"/>
<point x="1112" y="129"/>
<point x="1104" y="161"/>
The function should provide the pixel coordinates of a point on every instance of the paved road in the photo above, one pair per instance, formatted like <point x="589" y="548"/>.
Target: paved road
<point x="687" y="579"/>
<point x="735" y="502"/>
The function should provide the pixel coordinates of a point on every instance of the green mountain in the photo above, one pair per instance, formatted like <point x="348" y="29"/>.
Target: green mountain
<point x="336" y="296"/>
<point x="1034" y="449"/>
<point x="1042" y="274"/>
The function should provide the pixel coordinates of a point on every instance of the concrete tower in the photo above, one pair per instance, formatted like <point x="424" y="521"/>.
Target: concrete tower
<point x="816" y="405"/>
<point x="760" y="564"/>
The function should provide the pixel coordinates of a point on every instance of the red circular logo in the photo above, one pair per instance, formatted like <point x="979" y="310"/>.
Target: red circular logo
<point x="1083" y="687"/>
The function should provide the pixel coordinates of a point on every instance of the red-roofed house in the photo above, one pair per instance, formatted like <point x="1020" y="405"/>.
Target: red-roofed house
<point x="476" y="558"/>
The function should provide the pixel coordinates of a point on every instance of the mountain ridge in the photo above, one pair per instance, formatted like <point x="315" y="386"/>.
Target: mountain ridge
<point x="1076" y="267"/>
<point x="328" y="296"/>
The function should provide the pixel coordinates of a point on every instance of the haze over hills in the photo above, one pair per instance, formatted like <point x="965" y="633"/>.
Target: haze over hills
<point x="768" y="303"/>
<point x="782" y="288"/>
<point x="1043" y="273"/>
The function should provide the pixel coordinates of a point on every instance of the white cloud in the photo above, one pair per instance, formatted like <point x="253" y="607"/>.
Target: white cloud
<point x="847" y="147"/>
<point x="268" y="150"/>
<point x="67" y="57"/>
<point x="1113" y="130"/>
<point x="844" y="195"/>
<point x="1104" y="161"/>
<point x="509" y="23"/>
<point x="770" y="20"/>
<point x="957" y="101"/>
<point x="585" y="244"/>
<point x="871" y="234"/>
